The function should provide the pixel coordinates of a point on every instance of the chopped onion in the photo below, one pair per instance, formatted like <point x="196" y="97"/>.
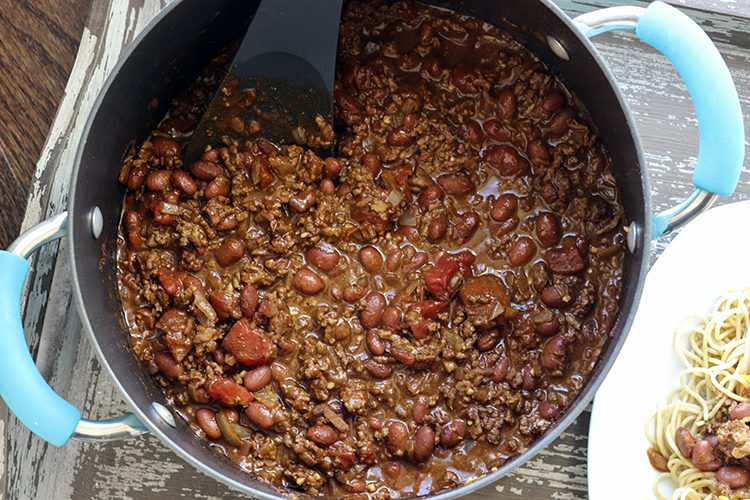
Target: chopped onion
<point x="334" y="418"/>
<point x="395" y="197"/>
<point x="408" y="219"/>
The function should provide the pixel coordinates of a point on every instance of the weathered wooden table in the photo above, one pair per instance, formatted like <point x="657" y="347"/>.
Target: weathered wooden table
<point x="143" y="467"/>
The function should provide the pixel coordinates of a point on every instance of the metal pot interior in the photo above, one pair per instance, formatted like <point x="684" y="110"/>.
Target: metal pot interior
<point x="167" y="56"/>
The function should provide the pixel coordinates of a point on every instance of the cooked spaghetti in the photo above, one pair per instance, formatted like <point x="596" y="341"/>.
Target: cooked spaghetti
<point x="699" y="439"/>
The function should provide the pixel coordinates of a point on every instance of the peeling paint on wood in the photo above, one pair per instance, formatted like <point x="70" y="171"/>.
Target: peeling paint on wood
<point x="144" y="468"/>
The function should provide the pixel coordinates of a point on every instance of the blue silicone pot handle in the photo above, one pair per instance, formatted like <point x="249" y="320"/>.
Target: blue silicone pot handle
<point x="717" y="106"/>
<point x="22" y="387"/>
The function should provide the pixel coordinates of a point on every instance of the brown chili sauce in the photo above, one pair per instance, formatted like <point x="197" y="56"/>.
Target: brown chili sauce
<point x="403" y="317"/>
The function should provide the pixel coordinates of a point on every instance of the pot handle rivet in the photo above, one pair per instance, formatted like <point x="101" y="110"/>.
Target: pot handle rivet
<point x="97" y="222"/>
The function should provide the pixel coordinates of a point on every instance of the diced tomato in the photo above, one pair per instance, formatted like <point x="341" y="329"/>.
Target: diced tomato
<point x="428" y="309"/>
<point x="250" y="346"/>
<point x="169" y="281"/>
<point x="229" y="392"/>
<point x="443" y="280"/>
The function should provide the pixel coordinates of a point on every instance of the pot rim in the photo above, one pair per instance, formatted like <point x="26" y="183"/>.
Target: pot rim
<point x="552" y="433"/>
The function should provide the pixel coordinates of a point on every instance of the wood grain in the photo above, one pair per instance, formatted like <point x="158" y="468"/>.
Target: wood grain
<point x="37" y="49"/>
<point x="144" y="468"/>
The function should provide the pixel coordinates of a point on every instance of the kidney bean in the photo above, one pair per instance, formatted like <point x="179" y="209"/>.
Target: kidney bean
<point x="472" y="133"/>
<point x="231" y="250"/>
<point x="327" y="188"/>
<point x="370" y="316"/>
<point x="463" y="78"/>
<point x="453" y="433"/>
<point x="391" y="318"/>
<point x="374" y="343"/>
<point x="740" y="411"/>
<point x="537" y="152"/>
<point x="704" y="457"/>
<point x="249" y="301"/>
<point x="206" y="170"/>
<point x="322" y="258"/>
<point x="521" y="251"/>
<point x="377" y="370"/>
<point x="552" y="102"/>
<point x="280" y="371"/>
<point x="419" y="410"/>
<point x="528" y="379"/>
<point x="733" y="476"/>
<point x="372" y="162"/>
<point x="545" y="322"/>
<point x="165" y="146"/>
<point x="322" y="434"/>
<point x="488" y="340"/>
<point x="553" y="297"/>
<point x="548" y="229"/>
<point x="437" y="228"/>
<point x="167" y="365"/>
<point x="429" y="195"/>
<point x="346" y="102"/>
<point x="500" y="369"/>
<point x="375" y="423"/>
<point x="467" y="225"/>
<point x="503" y="158"/>
<point x="433" y="65"/>
<point x="402" y="356"/>
<point x="398" y="137"/>
<point x="496" y="130"/>
<point x="257" y="378"/>
<point x="394" y="259"/>
<point x="217" y="187"/>
<point x="393" y="469"/>
<point x="331" y="168"/>
<point x="137" y="177"/>
<point x="398" y="436"/>
<point x="560" y="122"/>
<point x="505" y="206"/>
<point x="565" y="260"/>
<point x="409" y="121"/>
<point x="158" y="181"/>
<point x="184" y="182"/>
<point x="371" y="259"/>
<point x="424" y="443"/>
<point x="548" y="410"/>
<point x="458" y="184"/>
<point x="685" y="442"/>
<point x="506" y="104"/>
<point x="223" y="303"/>
<point x="353" y="293"/>
<point x="419" y="260"/>
<point x="507" y="226"/>
<point x="307" y="282"/>
<point x="260" y="415"/>
<point x="133" y="223"/>
<point x="207" y="422"/>
<point x="553" y="353"/>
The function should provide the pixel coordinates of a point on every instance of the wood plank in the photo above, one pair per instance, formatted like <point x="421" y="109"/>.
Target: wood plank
<point x="144" y="468"/>
<point x="37" y="50"/>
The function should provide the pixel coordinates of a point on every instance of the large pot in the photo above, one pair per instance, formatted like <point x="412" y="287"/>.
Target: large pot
<point x="171" y="51"/>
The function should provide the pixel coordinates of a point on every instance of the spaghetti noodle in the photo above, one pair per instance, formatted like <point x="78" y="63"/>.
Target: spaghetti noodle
<point x="716" y="354"/>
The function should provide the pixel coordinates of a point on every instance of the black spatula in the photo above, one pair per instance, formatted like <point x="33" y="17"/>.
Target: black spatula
<point x="280" y="80"/>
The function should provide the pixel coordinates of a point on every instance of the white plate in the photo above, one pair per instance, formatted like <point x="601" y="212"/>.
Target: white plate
<point x="707" y="258"/>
